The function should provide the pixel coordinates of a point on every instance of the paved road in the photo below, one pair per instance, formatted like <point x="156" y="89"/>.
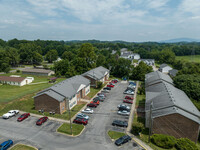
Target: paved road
<point x="94" y="137"/>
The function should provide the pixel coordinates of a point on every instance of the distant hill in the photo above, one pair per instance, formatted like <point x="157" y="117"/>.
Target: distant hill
<point x="178" y="40"/>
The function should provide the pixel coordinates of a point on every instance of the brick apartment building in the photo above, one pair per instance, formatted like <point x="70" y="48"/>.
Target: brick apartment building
<point x="168" y="110"/>
<point x="55" y="98"/>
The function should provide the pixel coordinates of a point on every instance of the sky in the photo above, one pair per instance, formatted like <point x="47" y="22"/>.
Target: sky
<point x="127" y="20"/>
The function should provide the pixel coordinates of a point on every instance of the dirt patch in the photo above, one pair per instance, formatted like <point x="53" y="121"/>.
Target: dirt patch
<point x="87" y="98"/>
<point x="80" y="102"/>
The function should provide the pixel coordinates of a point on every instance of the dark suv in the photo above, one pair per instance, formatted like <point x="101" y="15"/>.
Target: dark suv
<point x="122" y="140"/>
<point x="120" y="123"/>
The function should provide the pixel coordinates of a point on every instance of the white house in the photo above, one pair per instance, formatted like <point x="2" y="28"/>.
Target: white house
<point x="149" y="62"/>
<point x="15" y="80"/>
<point x="129" y="55"/>
<point x="165" y="68"/>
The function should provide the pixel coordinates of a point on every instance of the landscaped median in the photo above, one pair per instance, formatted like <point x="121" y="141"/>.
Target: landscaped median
<point x="22" y="147"/>
<point x="115" y="135"/>
<point x="76" y="129"/>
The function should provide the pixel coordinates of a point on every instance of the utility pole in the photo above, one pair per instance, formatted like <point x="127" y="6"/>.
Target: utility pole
<point x="150" y="121"/>
<point x="69" y="115"/>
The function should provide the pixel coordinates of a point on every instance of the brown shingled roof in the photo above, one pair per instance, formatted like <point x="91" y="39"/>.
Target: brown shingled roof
<point x="11" y="79"/>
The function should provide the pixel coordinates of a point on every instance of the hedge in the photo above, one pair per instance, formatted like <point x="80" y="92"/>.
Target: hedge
<point x="137" y="128"/>
<point x="185" y="144"/>
<point x="164" y="141"/>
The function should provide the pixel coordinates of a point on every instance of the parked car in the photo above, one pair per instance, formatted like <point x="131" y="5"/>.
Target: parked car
<point x="107" y="88"/>
<point x="92" y="105"/>
<point x="41" y="120"/>
<point x="120" y="123"/>
<point x="130" y="92"/>
<point x="102" y="94"/>
<point x="122" y="140"/>
<point x="124" y="112"/>
<point x="123" y="106"/>
<point x="115" y="80"/>
<point x="100" y="98"/>
<point x="23" y="116"/>
<point x="129" y="101"/>
<point x="80" y="121"/>
<point x="11" y="113"/>
<point x="87" y="110"/>
<point x="81" y="115"/>
<point x="128" y="97"/>
<point x="132" y="82"/>
<point x="6" y="144"/>
<point x="97" y="102"/>
<point x="105" y="91"/>
<point x="131" y="87"/>
<point x="110" y="85"/>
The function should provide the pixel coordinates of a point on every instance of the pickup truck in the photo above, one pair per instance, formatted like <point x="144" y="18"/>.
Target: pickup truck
<point x="11" y="113"/>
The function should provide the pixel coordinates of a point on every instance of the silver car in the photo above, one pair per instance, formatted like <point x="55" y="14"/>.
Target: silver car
<point x="124" y="113"/>
<point x="87" y="110"/>
<point x="80" y="115"/>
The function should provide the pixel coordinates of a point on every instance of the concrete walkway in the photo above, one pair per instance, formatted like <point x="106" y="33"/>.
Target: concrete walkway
<point x="128" y="130"/>
<point x="38" y="83"/>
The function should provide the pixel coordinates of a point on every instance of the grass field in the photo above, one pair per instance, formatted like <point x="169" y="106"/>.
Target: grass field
<point x="189" y="58"/>
<point x="65" y="128"/>
<point x="115" y="135"/>
<point x="11" y="92"/>
<point x="27" y="104"/>
<point x="22" y="147"/>
<point x="94" y="91"/>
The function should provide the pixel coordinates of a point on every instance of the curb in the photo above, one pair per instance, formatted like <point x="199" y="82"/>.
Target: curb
<point x="22" y="144"/>
<point x="69" y="134"/>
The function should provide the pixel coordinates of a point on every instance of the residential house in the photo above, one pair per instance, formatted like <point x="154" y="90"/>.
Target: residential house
<point x="97" y="74"/>
<point x="15" y="80"/>
<point x="168" y="110"/>
<point x="165" y="68"/>
<point x="129" y="55"/>
<point x="173" y="72"/>
<point x="56" y="98"/>
<point x="38" y="72"/>
<point x="149" y="62"/>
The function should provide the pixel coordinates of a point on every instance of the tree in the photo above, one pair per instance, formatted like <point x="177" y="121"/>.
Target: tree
<point x="68" y="55"/>
<point x="167" y="56"/>
<point x="101" y="60"/>
<point x="52" y="55"/>
<point x="139" y="71"/>
<point x="80" y="65"/>
<point x="13" y="55"/>
<point x="37" y="58"/>
<point x="87" y="52"/>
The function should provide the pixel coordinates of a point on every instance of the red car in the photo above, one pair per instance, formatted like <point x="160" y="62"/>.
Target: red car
<point x="23" y="116"/>
<point x="92" y="105"/>
<point x="128" y="101"/>
<point x="114" y="81"/>
<point x="80" y="121"/>
<point x="41" y="120"/>
<point x="110" y="85"/>
<point x="128" y="97"/>
<point x="95" y="102"/>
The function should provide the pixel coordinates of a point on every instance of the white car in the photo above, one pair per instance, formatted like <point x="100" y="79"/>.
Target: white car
<point x="11" y="113"/>
<point x="87" y="110"/>
<point x="129" y="92"/>
<point x="124" y="113"/>
<point x="123" y="105"/>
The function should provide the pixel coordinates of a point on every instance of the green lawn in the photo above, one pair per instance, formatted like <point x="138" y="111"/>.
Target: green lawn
<point x="65" y="128"/>
<point x="11" y="92"/>
<point x="115" y="135"/>
<point x="140" y="100"/>
<point x="22" y="147"/>
<point x="189" y="58"/>
<point x="27" y="104"/>
<point x="94" y="91"/>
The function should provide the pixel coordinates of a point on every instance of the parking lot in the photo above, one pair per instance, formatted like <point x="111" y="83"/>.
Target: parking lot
<point x="94" y="136"/>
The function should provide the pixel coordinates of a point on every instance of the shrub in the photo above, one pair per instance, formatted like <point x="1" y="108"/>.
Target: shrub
<point x="18" y="71"/>
<point x="99" y="84"/>
<point x="164" y="141"/>
<point x="185" y="144"/>
<point x="137" y="128"/>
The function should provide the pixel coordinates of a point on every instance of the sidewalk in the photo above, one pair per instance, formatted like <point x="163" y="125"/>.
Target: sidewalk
<point x="131" y="117"/>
